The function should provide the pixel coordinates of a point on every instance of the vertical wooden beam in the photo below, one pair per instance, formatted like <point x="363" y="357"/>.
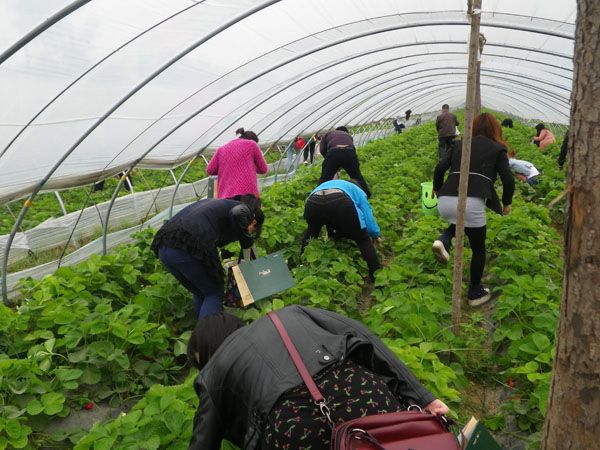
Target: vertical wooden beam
<point x="474" y="9"/>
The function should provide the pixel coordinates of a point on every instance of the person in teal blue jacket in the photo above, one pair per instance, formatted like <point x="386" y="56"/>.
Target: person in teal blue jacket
<point x="343" y="208"/>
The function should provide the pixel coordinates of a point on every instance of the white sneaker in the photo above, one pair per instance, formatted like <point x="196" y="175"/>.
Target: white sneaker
<point x="439" y="252"/>
<point x="484" y="296"/>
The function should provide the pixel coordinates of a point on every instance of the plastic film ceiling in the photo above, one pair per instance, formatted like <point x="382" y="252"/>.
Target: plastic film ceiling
<point x="89" y="88"/>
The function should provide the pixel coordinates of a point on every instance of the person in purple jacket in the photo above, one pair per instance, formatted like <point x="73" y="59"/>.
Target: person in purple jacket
<point x="337" y="148"/>
<point x="236" y="165"/>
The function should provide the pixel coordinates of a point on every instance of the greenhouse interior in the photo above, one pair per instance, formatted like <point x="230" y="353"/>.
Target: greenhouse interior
<point x="113" y="115"/>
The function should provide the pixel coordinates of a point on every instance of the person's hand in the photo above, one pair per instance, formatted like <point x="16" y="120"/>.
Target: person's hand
<point x="437" y="407"/>
<point x="434" y="194"/>
<point x="377" y="241"/>
<point x="506" y="210"/>
<point x="560" y="167"/>
<point x="521" y="177"/>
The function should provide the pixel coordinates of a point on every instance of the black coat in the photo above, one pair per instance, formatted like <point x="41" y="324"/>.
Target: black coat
<point x="252" y="369"/>
<point x="201" y="227"/>
<point x="488" y="159"/>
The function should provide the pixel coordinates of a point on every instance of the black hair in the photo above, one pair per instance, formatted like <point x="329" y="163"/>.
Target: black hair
<point x="255" y="205"/>
<point x="508" y="122"/>
<point x="209" y="333"/>
<point x="539" y="127"/>
<point x="250" y="135"/>
<point x="343" y="128"/>
<point x="445" y="106"/>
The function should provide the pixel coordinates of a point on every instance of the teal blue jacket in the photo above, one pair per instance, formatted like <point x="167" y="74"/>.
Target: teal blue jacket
<point x="359" y="198"/>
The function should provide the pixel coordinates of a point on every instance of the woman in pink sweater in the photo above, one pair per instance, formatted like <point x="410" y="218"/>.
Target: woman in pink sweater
<point x="544" y="136"/>
<point x="236" y="164"/>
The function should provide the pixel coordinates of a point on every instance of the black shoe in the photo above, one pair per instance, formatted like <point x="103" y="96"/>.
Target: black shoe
<point x="478" y="295"/>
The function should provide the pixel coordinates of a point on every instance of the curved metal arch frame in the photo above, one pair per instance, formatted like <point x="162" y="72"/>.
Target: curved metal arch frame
<point x="330" y="44"/>
<point x="315" y="70"/>
<point x="102" y="118"/>
<point x="204" y="148"/>
<point x="346" y="90"/>
<point x="384" y="29"/>
<point x="49" y="22"/>
<point x="90" y="69"/>
<point x="162" y="68"/>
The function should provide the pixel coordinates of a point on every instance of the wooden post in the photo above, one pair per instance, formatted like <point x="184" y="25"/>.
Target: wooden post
<point x="474" y="10"/>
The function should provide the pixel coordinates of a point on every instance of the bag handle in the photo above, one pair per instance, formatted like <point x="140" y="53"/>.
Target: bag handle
<point x="247" y="254"/>
<point x="291" y="348"/>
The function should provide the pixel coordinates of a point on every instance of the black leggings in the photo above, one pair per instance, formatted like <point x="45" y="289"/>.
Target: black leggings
<point x="337" y="212"/>
<point x="477" y="241"/>
<point x="310" y="148"/>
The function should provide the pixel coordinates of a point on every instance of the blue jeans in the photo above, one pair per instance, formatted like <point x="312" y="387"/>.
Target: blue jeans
<point x="532" y="181"/>
<point x="208" y="293"/>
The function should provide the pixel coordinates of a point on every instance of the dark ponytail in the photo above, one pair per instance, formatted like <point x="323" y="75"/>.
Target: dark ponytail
<point x="250" y="135"/>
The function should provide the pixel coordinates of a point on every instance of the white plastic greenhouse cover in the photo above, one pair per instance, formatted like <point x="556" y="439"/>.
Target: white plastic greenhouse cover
<point x="89" y="88"/>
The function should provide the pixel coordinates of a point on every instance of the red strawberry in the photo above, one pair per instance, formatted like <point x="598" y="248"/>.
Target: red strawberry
<point x="89" y="406"/>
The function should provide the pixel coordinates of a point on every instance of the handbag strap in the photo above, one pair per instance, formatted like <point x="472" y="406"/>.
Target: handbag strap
<point x="302" y="370"/>
<point x="249" y="254"/>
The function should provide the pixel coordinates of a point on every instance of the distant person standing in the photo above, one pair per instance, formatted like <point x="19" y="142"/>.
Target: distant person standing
<point x="236" y="164"/>
<point x="563" y="151"/>
<point x="404" y="122"/>
<point x="310" y="148"/>
<point x="337" y="148"/>
<point x="445" y="125"/>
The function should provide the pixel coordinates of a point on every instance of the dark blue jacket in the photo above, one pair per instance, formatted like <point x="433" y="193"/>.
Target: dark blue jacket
<point x="201" y="227"/>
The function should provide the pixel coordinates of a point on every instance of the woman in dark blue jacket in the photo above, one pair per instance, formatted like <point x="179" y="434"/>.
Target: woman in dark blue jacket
<point x="488" y="159"/>
<point x="187" y="245"/>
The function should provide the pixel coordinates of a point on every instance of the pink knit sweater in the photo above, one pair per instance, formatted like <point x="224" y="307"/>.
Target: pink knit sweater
<point x="236" y="164"/>
<point x="546" y="137"/>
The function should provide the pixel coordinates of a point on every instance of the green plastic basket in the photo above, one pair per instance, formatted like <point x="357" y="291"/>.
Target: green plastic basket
<point x="428" y="200"/>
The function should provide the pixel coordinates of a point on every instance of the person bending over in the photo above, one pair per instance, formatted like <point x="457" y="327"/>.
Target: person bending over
<point x="187" y="245"/>
<point x="343" y="208"/>
<point x="251" y="393"/>
<point x="337" y="148"/>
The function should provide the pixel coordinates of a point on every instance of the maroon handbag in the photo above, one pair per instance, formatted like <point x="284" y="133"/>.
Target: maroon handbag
<point x="405" y="430"/>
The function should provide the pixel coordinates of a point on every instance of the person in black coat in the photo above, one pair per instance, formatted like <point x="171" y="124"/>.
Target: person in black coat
<point x="562" y="156"/>
<point x="187" y="245"/>
<point x="488" y="159"/>
<point x="250" y="392"/>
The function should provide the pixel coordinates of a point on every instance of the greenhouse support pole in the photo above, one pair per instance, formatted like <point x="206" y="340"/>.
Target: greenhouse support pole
<point x="475" y="14"/>
<point x="74" y="6"/>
